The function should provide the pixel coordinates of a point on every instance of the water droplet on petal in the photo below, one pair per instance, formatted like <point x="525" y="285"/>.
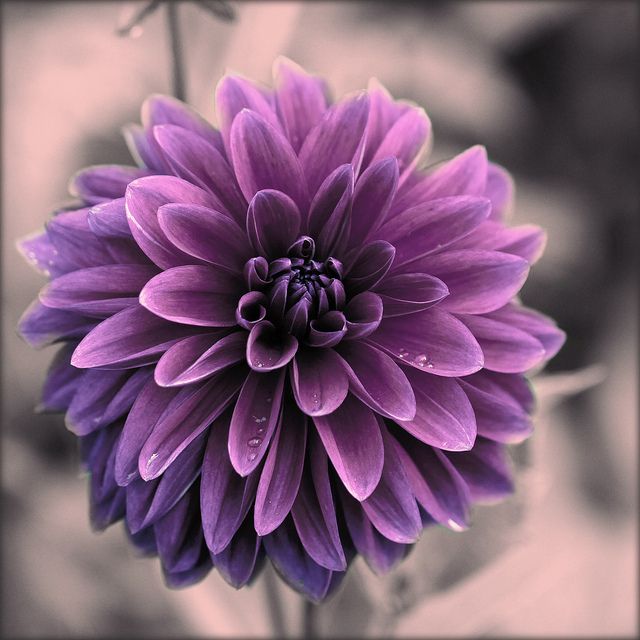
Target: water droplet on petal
<point x="254" y="442"/>
<point x="402" y="353"/>
<point x="251" y="456"/>
<point x="421" y="360"/>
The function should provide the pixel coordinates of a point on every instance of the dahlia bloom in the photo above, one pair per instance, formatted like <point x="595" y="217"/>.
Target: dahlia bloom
<point x="284" y="338"/>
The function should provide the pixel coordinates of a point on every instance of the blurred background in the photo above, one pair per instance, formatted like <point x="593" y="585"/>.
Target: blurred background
<point x="549" y="88"/>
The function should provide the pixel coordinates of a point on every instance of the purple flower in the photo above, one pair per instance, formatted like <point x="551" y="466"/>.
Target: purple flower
<point x="282" y="338"/>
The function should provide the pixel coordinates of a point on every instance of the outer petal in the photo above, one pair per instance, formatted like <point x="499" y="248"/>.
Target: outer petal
<point x="500" y="190"/>
<point x="352" y="439"/>
<point x="319" y="381"/>
<point x="264" y="159"/>
<point x="280" y="476"/>
<point x="432" y="340"/>
<point x="61" y="382"/>
<point x="103" y="182"/>
<point x="109" y="219"/>
<point x="370" y="266"/>
<point x="444" y="416"/>
<point x="407" y="293"/>
<point x="193" y="294"/>
<point x="41" y="326"/>
<point x="237" y="561"/>
<point x="266" y="350"/>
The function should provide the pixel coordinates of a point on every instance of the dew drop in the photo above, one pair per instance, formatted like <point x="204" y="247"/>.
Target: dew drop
<point x="268" y="400"/>
<point x="259" y="365"/>
<point x="151" y="459"/>
<point x="251" y="456"/>
<point x="402" y="353"/>
<point x="254" y="442"/>
<point x="421" y="360"/>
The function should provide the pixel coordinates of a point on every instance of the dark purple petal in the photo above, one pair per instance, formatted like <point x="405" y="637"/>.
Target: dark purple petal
<point x="363" y="314"/>
<point x="330" y="212"/>
<point x="256" y="273"/>
<point x="432" y="340"/>
<point x="327" y="330"/>
<point x="427" y="227"/>
<point x="300" y="100"/>
<point x="478" y="281"/>
<point x="109" y="219"/>
<point x="40" y="326"/>
<point x="103" y="182"/>
<point x="98" y="291"/>
<point x="352" y="439"/>
<point x="378" y="381"/>
<point x="294" y="564"/>
<point x="505" y="347"/>
<point x="264" y="159"/>
<point x="192" y="410"/>
<point x="194" y="159"/>
<point x="252" y="308"/>
<point x="193" y="294"/>
<point x="254" y="419"/>
<point x="485" y="470"/>
<point x="205" y="234"/>
<point x="189" y="577"/>
<point x="337" y="139"/>
<point x="372" y="199"/>
<point x="225" y="497"/>
<point x="198" y="357"/>
<point x="499" y="189"/>
<point x="436" y="484"/>
<point x="498" y="418"/>
<point x="444" y="416"/>
<point x="143" y="199"/>
<point x="280" y="476"/>
<point x="536" y="324"/>
<point x="407" y="293"/>
<point x="130" y="338"/>
<point x="314" y="513"/>
<point x="149" y="406"/>
<point x="512" y="388"/>
<point x="380" y="553"/>
<point x="61" y="382"/>
<point x="267" y="349"/>
<point x="391" y="507"/>
<point x="370" y="266"/>
<point x="319" y="381"/>
<point x="273" y="223"/>
<point x="296" y="319"/>
<point x="236" y="563"/>
<point x="405" y="140"/>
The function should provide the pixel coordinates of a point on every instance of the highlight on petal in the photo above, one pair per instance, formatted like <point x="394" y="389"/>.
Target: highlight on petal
<point x="407" y="293"/>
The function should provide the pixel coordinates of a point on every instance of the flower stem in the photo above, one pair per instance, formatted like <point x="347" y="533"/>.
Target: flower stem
<point x="177" y="68"/>
<point x="309" y="620"/>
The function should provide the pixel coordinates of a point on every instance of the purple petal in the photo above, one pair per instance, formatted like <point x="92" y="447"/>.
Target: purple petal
<point x="252" y="308"/>
<point x="406" y="140"/>
<point x="478" y="281"/>
<point x="40" y="326"/>
<point x="151" y="403"/>
<point x="485" y="470"/>
<point x="498" y="418"/>
<point x="352" y="439"/>
<point x="370" y="266"/>
<point x="499" y="189"/>
<point x="363" y="314"/>
<point x="103" y="182"/>
<point x="374" y="193"/>
<point x="327" y="330"/>
<point x="380" y="553"/>
<point x="300" y="100"/>
<point x="267" y="349"/>
<point x="225" y="497"/>
<point x="512" y="388"/>
<point x="280" y="476"/>
<point x="264" y="159"/>
<point x="205" y="234"/>
<point x="294" y="564"/>
<point x="431" y="340"/>
<point x="198" y="357"/>
<point x="444" y="416"/>
<point x="192" y="410"/>
<point x="38" y="250"/>
<point x="436" y="484"/>
<point x="330" y="212"/>
<point x="61" y="382"/>
<point x="337" y="139"/>
<point x="189" y="577"/>
<point x="109" y="219"/>
<point x="194" y="159"/>
<point x="536" y="324"/>
<point x="407" y="293"/>
<point x="236" y="563"/>
<point x="130" y="338"/>
<point x="391" y="507"/>
<point x="254" y="419"/>
<point x="235" y="94"/>
<point x="193" y="294"/>
<point x="319" y="381"/>
<point x="427" y="227"/>
<point x="314" y="513"/>
<point x="505" y="347"/>
<point x="98" y="291"/>
<point x="273" y="223"/>
<point x="144" y="149"/>
<point x="143" y="199"/>
<point x="378" y="381"/>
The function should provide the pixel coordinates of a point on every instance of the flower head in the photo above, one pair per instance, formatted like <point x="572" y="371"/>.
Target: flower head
<point x="283" y="337"/>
